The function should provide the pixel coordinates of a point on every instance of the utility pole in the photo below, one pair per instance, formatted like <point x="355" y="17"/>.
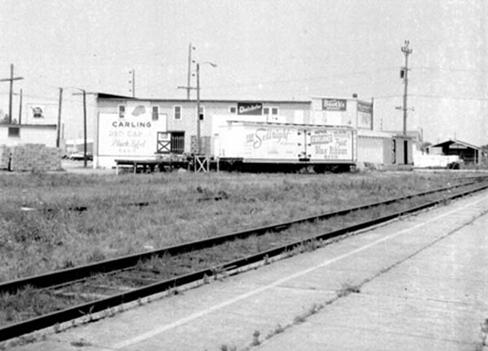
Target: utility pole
<point x="58" y="130"/>
<point x="20" y="107"/>
<point x="133" y="81"/>
<point x="372" y="113"/>
<point x="11" y="80"/>
<point x="404" y="74"/>
<point x="84" y="129"/>
<point x="198" y="109"/>
<point x="188" y="80"/>
<point x="188" y="86"/>
<point x="85" y="141"/>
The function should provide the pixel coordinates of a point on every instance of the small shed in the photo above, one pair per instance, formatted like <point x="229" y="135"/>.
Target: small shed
<point x="467" y="152"/>
<point x="402" y="150"/>
<point x="19" y="134"/>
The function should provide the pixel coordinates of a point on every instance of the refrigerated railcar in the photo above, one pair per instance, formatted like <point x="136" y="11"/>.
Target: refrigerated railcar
<point x="277" y="146"/>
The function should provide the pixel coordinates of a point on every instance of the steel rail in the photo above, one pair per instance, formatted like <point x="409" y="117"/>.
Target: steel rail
<point x="77" y="273"/>
<point x="17" y="329"/>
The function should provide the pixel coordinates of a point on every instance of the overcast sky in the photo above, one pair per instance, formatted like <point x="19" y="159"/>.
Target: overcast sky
<point x="263" y="49"/>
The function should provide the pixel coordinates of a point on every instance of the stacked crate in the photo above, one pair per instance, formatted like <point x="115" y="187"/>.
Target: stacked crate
<point x="35" y="157"/>
<point x="205" y="148"/>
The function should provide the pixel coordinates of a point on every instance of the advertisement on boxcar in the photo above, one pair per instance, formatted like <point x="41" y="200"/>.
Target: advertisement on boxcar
<point x="271" y="142"/>
<point x="330" y="144"/>
<point x="260" y="142"/>
<point x="134" y="134"/>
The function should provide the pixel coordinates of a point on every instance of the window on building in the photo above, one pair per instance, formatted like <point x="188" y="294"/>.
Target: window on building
<point x="177" y="112"/>
<point x="202" y="113"/>
<point x="270" y="111"/>
<point x="233" y="109"/>
<point x="121" y="111"/>
<point x="14" y="132"/>
<point x="155" y="113"/>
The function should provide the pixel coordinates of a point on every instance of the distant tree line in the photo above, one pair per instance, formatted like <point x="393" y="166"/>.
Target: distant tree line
<point x="4" y="118"/>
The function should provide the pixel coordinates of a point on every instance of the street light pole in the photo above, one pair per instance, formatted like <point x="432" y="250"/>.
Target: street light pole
<point x="199" y="144"/>
<point x="198" y="110"/>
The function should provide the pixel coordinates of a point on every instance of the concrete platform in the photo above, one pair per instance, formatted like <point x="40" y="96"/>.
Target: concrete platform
<point x="416" y="284"/>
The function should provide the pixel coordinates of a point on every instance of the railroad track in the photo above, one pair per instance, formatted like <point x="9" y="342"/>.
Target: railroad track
<point x="60" y="296"/>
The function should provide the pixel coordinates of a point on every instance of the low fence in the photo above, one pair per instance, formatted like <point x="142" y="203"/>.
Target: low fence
<point x="433" y="161"/>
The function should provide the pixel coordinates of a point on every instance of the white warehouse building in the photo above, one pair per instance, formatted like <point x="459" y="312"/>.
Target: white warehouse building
<point x="134" y="128"/>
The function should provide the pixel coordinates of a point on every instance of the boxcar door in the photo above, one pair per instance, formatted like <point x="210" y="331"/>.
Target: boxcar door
<point x="303" y="143"/>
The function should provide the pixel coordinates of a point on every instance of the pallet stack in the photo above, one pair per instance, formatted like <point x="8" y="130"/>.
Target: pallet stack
<point x="34" y="157"/>
<point x="205" y="146"/>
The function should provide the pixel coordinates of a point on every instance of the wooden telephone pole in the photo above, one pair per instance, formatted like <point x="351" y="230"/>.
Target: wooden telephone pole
<point x="58" y="130"/>
<point x="132" y="81"/>
<point x="20" y="107"/>
<point x="11" y="91"/>
<point x="188" y="86"/>
<point x="85" y="141"/>
<point x="404" y="74"/>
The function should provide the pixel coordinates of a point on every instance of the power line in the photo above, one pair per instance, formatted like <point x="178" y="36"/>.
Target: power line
<point x="449" y="69"/>
<point x="433" y="97"/>
<point x="295" y="80"/>
<point x="450" y="97"/>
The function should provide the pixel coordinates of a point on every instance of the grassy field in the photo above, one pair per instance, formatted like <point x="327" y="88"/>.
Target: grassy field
<point x="182" y="207"/>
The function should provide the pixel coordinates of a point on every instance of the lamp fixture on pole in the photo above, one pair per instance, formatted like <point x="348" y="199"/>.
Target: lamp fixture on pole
<point x="199" y="144"/>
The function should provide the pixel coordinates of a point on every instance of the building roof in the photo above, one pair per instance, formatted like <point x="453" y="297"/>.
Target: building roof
<point x="28" y="125"/>
<point x="229" y="101"/>
<point x="416" y="134"/>
<point x="456" y="141"/>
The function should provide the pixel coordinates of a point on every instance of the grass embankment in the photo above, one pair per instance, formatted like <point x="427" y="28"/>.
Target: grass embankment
<point x="183" y="207"/>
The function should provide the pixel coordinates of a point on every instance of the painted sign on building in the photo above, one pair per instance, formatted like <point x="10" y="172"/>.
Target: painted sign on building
<point x="133" y="135"/>
<point x="334" y="104"/>
<point x="249" y="108"/>
<point x="365" y="115"/>
<point x="40" y="113"/>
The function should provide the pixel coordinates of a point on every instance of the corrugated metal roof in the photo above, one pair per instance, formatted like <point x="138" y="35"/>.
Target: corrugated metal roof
<point x="456" y="141"/>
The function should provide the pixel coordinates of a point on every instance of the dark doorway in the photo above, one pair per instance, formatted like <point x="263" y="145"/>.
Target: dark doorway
<point x="405" y="152"/>
<point x="394" y="152"/>
<point x="177" y="142"/>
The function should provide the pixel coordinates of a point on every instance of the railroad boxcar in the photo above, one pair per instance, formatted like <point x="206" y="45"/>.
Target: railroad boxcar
<point x="261" y="145"/>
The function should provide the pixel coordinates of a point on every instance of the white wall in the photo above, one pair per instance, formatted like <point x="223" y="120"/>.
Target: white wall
<point x="29" y="135"/>
<point x="370" y="149"/>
